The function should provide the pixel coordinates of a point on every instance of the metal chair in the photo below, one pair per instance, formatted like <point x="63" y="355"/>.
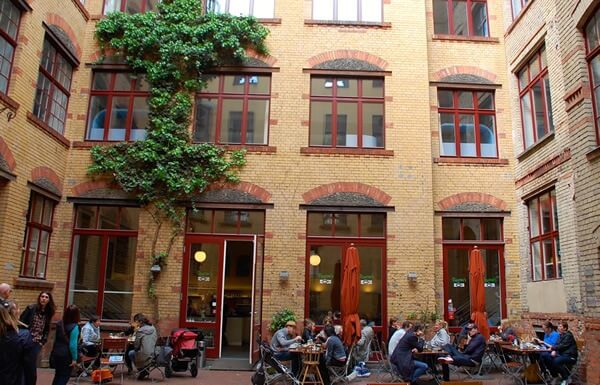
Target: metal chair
<point x="113" y="354"/>
<point x="338" y="374"/>
<point x="86" y="366"/>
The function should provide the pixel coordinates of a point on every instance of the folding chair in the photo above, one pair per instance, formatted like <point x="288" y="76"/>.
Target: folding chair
<point x="86" y="366"/>
<point x="154" y="362"/>
<point x="113" y="354"/>
<point x="576" y="372"/>
<point x="514" y="368"/>
<point x="387" y="372"/>
<point x="338" y="374"/>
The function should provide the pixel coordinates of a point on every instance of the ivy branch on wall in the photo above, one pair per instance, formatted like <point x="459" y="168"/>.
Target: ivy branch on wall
<point x="174" y="48"/>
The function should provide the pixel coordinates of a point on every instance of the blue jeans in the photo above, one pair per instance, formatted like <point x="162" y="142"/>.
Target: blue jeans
<point x="558" y="365"/>
<point x="419" y="369"/>
<point x="289" y="356"/>
<point x="459" y="358"/>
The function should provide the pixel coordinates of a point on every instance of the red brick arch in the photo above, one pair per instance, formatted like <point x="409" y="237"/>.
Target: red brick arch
<point x="466" y="197"/>
<point x="247" y="187"/>
<point x="85" y="187"/>
<point x="7" y="155"/>
<point x="348" y="187"/>
<point x="270" y="60"/>
<point x="53" y="18"/>
<point x="48" y="174"/>
<point x="467" y="70"/>
<point x="347" y="54"/>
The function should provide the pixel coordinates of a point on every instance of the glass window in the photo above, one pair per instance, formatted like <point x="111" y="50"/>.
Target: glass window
<point x="10" y="17"/>
<point x="118" y="108"/>
<point x="348" y="10"/>
<point x="53" y="86"/>
<point x="226" y="221"/>
<point x="262" y="9"/>
<point x="592" y="38"/>
<point x="37" y="236"/>
<point x="234" y="109"/>
<point x="460" y="17"/>
<point x="543" y="237"/>
<point x="517" y="6"/>
<point x="103" y="261"/>
<point x="339" y="102"/>
<point x="468" y="130"/>
<point x="130" y="6"/>
<point x="345" y="225"/>
<point x="536" y="106"/>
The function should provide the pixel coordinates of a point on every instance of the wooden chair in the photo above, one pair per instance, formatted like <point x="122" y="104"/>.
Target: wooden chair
<point x="310" y="366"/>
<point x="113" y="354"/>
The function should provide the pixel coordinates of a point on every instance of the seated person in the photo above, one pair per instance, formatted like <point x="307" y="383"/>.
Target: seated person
<point x="392" y="327"/>
<point x="281" y="342"/>
<point x="398" y="336"/>
<point x="506" y="332"/>
<point x="90" y="337"/>
<point x="335" y="356"/>
<point x="470" y="356"/>
<point x="563" y="355"/>
<point x="551" y="336"/>
<point x="321" y="336"/>
<point x="441" y="337"/>
<point x="144" y="344"/>
<point x="363" y="345"/>
<point x="402" y="359"/>
<point x="308" y="334"/>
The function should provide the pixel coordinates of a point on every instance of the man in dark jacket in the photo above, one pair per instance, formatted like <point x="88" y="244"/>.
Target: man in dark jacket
<point x="564" y="353"/>
<point x="402" y="358"/>
<point x="470" y="356"/>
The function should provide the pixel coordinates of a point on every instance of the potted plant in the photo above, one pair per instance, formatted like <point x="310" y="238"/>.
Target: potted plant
<point x="280" y="318"/>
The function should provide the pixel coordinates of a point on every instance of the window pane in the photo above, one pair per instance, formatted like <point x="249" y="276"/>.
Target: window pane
<point x="487" y="136"/>
<point x="108" y="217"/>
<point x="86" y="217"/>
<point x="320" y="224"/>
<point x="536" y="261"/>
<point x="226" y="221"/>
<point x="118" y="288"/>
<point x="485" y="100"/>
<point x="545" y="211"/>
<point x="347" y="10"/>
<point x="527" y="120"/>
<point x="558" y="257"/>
<point x="152" y="5"/>
<point x="101" y="81"/>
<point x="548" y="104"/>
<point x="372" y="88"/>
<point x="118" y="118"/>
<point x="480" y="23"/>
<point x="122" y="81"/>
<point x="321" y="86"/>
<point x="451" y="229"/>
<point x="445" y="98"/>
<point x="320" y="123"/>
<point x="493" y="286"/>
<point x="448" y="136"/>
<point x="48" y="208"/>
<point x="465" y="99"/>
<point x="458" y="280"/>
<point x="325" y="281"/>
<point x="264" y="9"/>
<point x="9" y="18"/>
<point x="371" y="10"/>
<point x="516" y="7"/>
<point x="460" y="18"/>
<point x="199" y="221"/>
<point x="42" y="255"/>
<point x="534" y="67"/>
<point x="139" y="119"/>
<point x="112" y="6"/>
<point x="239" y="7"/>
<point x="372" y="225"/>
<point x="471" y="229"/>
<point x="322" y="9"/>
<point x="346" y="225"/>
<point x="372" y="125"/>
<point x="85" y="266"/>
<point x="540" y="115"/>
<point x="37" y="207"/>
<point x="591" y="33"/>
<point x="440" y="17"/>
<point x="212" y="84"/>
<point x="534" y="215"/>
<point x="257" y="122"/>
<point x="201" y="289"/>
<point x="133" y="6"/>
<point x="31" y="250"/>
<point x="370" y="291"/>
<point x="252" y="222"/>
<point x="234" y="84"/>
<point x="554" y="210"/>
<point x="206" y="120"/>
<point x="523" y="78"/>
<point x="347" y="87"/>
<point x="259" y="84"/>
<point x="347" y="125"/>
<point x="491" y="229"/>
<point x="231" y="121"/>
<point x="129" y="218"/>
<point x="467" y="135"/>
<point x="97" y="118"/>
<point x="548" y="258"/>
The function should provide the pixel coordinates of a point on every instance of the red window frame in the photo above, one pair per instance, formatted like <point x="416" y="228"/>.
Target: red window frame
<point x="10" y="40"/>
<point x="359" y="100"/>
<point x="359" y="5"/>
<point x="470" y="27"/>
<point x="123" y="7"/>
<point x="528" y="91"/>
<point x="105" y="235"/>
<point x="245" y="97"/>
<point x="553" y="235"/>
<point x="59" y="62"/>
<point x="41" y="227"/>
<point x="110" y="94"/>
<point x="476" y="112"/>
<point x="591" y="54"/>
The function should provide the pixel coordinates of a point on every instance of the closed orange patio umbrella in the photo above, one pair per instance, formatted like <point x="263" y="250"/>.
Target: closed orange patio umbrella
<point x="349" y="296"/>
<point x="477" y="292"/>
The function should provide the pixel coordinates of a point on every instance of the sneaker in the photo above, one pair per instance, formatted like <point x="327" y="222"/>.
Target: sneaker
<point x="364" y="372"/>
<point x="446" y="359"/>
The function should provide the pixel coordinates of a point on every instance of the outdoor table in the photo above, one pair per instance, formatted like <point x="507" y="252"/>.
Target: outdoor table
<point x="311" y="355"/>
<point x="523" y="354"/>
<point x="430" y="357"/>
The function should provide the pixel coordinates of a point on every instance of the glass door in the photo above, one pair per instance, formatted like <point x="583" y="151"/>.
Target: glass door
<point x="257" y="293"/>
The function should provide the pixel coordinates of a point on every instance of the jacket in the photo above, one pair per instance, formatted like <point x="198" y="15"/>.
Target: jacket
<point x="476" y="347"/>
<point x="17" y="359"/>
<point x="144" y="344"/>
<point x="440" y="339"/>
<point x="402" y="358"/>
<point x="363" y="346"/>
<point x="65" y="345"/>
<point x="281" y="341"/>
<point x="566" y="345"/>
<point x="90" y="334"/>
<point x="395" y="339"/>
<point x="27" y="319"/>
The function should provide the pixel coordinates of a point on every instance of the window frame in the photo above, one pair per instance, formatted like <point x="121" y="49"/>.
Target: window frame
<point x="528" y="90"/>
<point x="251" y="7"/>
<point x="110" y="94"/>
<point x="359" y="5"/>
<point x="13" y="43"/>
<point x="512" y="8"/>
<point x="470" y="26"/>
<point x="457" y="111"/>
<point x="553" y="235"/>
<point x="360" y="100"/>
<point x="30" y="224"/>
<point x="105" y="236"/>
<point x="122" y="7"/>
<point x="591" y="54"/>
<point x="245" y="97"/>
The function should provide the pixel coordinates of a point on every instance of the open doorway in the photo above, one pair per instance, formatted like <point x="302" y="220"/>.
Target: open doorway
<point x="237" y="299"/>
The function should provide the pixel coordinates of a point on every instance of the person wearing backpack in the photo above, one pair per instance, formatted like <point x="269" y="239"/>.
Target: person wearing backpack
<point x="64" y="352"/>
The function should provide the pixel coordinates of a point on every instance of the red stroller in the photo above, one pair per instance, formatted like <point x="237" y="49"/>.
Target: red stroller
<point x="185" y="354"/>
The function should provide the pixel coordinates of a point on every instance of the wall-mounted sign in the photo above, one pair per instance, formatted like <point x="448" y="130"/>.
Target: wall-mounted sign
<point x="459" y="282"/>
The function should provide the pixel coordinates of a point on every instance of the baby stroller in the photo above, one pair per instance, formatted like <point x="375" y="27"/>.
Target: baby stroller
<point x="270" y="370"/>
<point x="185" y="354"/>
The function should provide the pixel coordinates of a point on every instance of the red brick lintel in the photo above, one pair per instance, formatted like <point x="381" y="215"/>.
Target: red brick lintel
<point x="333" y="151"/>
<point x="544" y="168"/>
<point x="474" y="161"/>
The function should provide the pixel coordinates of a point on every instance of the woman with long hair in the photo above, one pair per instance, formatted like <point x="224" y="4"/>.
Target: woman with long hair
<point x="64" y="352"/>
<point x="16" y="365"/>
<point x="37" y="318"/>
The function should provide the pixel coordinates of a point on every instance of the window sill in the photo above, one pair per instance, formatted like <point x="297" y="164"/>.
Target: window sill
<point x="250" y="149"/>
<point x="48" y="130"/>
<point x="33" y="283"/>
<point x="346" y="151"/>
<point x="270" y="21"/>
<point x="9" y="102"/>
<point x="468" y="39"/>
<point x="335" y="23"/>
<point x="475" y="161"/>
<point x="594" y="154"/>
<point x="518" y="18"/>
<point x="534" y="147"/>
<point x="90" y="144"/>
